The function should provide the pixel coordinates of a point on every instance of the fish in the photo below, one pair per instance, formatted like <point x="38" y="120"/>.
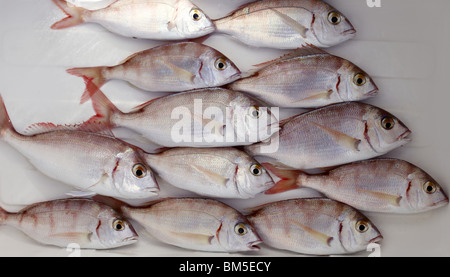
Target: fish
<point x="307" y="78"/>
<point x="94" y="163"/>
<point x="286" y="24"/>
<point x="213" y="117"/>
<point x="379" y="185"/>
<point x="62" y="222"/>
<point x="156" y="20"/>
<point x="197" y="224"/>
<point x="171" y="67"/>
<point x="314" y="226"/>
<point x="334" y="135"/>
<point x="214" y="172"/>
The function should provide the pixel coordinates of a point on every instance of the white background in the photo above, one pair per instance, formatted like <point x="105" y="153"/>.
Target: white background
<point x="403" y="45"/>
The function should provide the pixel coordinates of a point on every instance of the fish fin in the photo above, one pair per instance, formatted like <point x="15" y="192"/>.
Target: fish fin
<point x="182" y="73"/>
<point x="78" y="237"/>
<point x="5" y="121"/>
<point x="319" y="236"/>
<point x="143" y="105"/>
<point x="104" y="109"/>
<point x="392" y="199"/>
<point x="344" y="140"/>
<point x="292" y="23"/>
<point x="288" y="178"/>
<point x="3" y="215"/>
<point x="93" y="78"/>
<point x="321" y="95"/>
<point x="212" y="176"/>
<point x="304" y="51"/>
<point x="74" y="15"/>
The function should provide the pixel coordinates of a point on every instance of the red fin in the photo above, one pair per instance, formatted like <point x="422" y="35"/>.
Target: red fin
<point x="92" y="77"/>
<point x="74" y="15"/>
<point x="288" y="179"/>
<point x="5" y="122"/>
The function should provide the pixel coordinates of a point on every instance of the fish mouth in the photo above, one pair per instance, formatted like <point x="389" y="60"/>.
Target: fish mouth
<point x="130" y="240"/>
<point x="253" y="245"/>
<point x="351" y="31"/>
<point x="376" y="239"/>
<point x="372" y="92"/>
<point x="440" y="203"/>
<point x="405" y="136"/>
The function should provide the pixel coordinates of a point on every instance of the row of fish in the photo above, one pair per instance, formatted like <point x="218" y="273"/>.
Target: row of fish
<point x="319" y="226"/>
<point x="340" y="133"/>
<point x="277" y="24"/>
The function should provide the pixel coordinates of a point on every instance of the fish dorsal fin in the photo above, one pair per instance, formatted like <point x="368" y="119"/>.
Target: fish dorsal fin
<point x="304" y="51"/>
<point x="143" y="105"/>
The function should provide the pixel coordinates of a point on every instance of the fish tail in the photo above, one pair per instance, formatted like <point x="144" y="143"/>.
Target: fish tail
<point x="93" y="78"/>
<point x="74" y="15"/>
<point x="104" y="109"/>
<point x="3" y="215"/>
<point x="5" y="121"/>
<point x="288" y="178"/>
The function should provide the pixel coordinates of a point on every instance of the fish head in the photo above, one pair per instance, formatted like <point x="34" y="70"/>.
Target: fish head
<point x="330" y="26"/>
<point x="251" y="177"/>
<point x="191" y="21"/>
<point x="217" y="69"/>
<point x="423" y="193"/>
<point x="252" y="120"/>
<point x="357" y="231"/>
<point x="384" y="132"/>
<point x="132" y="176"/>
<point x="355" y="84"/>
<point x="114" y="231"/>
<point x="237" y="234"/>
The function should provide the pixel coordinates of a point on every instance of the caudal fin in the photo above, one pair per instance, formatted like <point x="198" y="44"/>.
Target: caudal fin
<point x="288" y="178"/>
<point x="74" y="15"/>
<point x="93" y="78"/>
<point x="104" y="109"/>
<point x="5" y="122"/>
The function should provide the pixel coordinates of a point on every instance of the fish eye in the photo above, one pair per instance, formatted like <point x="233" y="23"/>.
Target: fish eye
<point x="221" y="64"/>
<point x="254" y="112"/>
<point x="256" y="169"/>
<point x="387" y="123"/>
<point x="118" y="225"/>
<point x="334" y="17"/>
<point x="362" y="226"/>
<point x="196" y="15"/>
<point x="429" y="187"/>
<point x="359" y="79"/>
<point x="139" y="171"/>
<point x="240" y="229"/>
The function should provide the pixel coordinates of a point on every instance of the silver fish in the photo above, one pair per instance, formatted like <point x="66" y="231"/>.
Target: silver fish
<point x="334" y="135"/>
<point x="287" y="24"/>
<point x="307" y="78"/>
<point x="168" y="68"/>
<point x="214" y="172"/>
<point x="160" y="20"/>
<point x="85" y="222"/>
<point x="91" y="162"/>
<point x="199" y="224"/>
<point x="379" y="185"/>
<point x="213" y="117"/>
<point x="315" y="226"/>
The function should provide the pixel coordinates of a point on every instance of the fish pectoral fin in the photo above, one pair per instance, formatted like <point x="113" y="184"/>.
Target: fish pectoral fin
<point x="212" y="176"/>
<point x="81" y="194"/>
<point x="199" y="239"/>
<point x="319" y="236"/>
<point x="342" y="139"/>
<point x="78" y="237"/>
<point x="180" y="72"/>
<point x="325" y="95"/>
<point x="299" y="28"/>
<point x="390" y="198"/>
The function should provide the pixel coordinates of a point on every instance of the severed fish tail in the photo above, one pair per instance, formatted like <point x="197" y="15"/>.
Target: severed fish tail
<point x="93" y="78"/>
<point x="74" y="15"/>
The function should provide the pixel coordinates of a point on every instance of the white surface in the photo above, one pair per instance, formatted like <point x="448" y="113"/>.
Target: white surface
<point x="403" y="45"/>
